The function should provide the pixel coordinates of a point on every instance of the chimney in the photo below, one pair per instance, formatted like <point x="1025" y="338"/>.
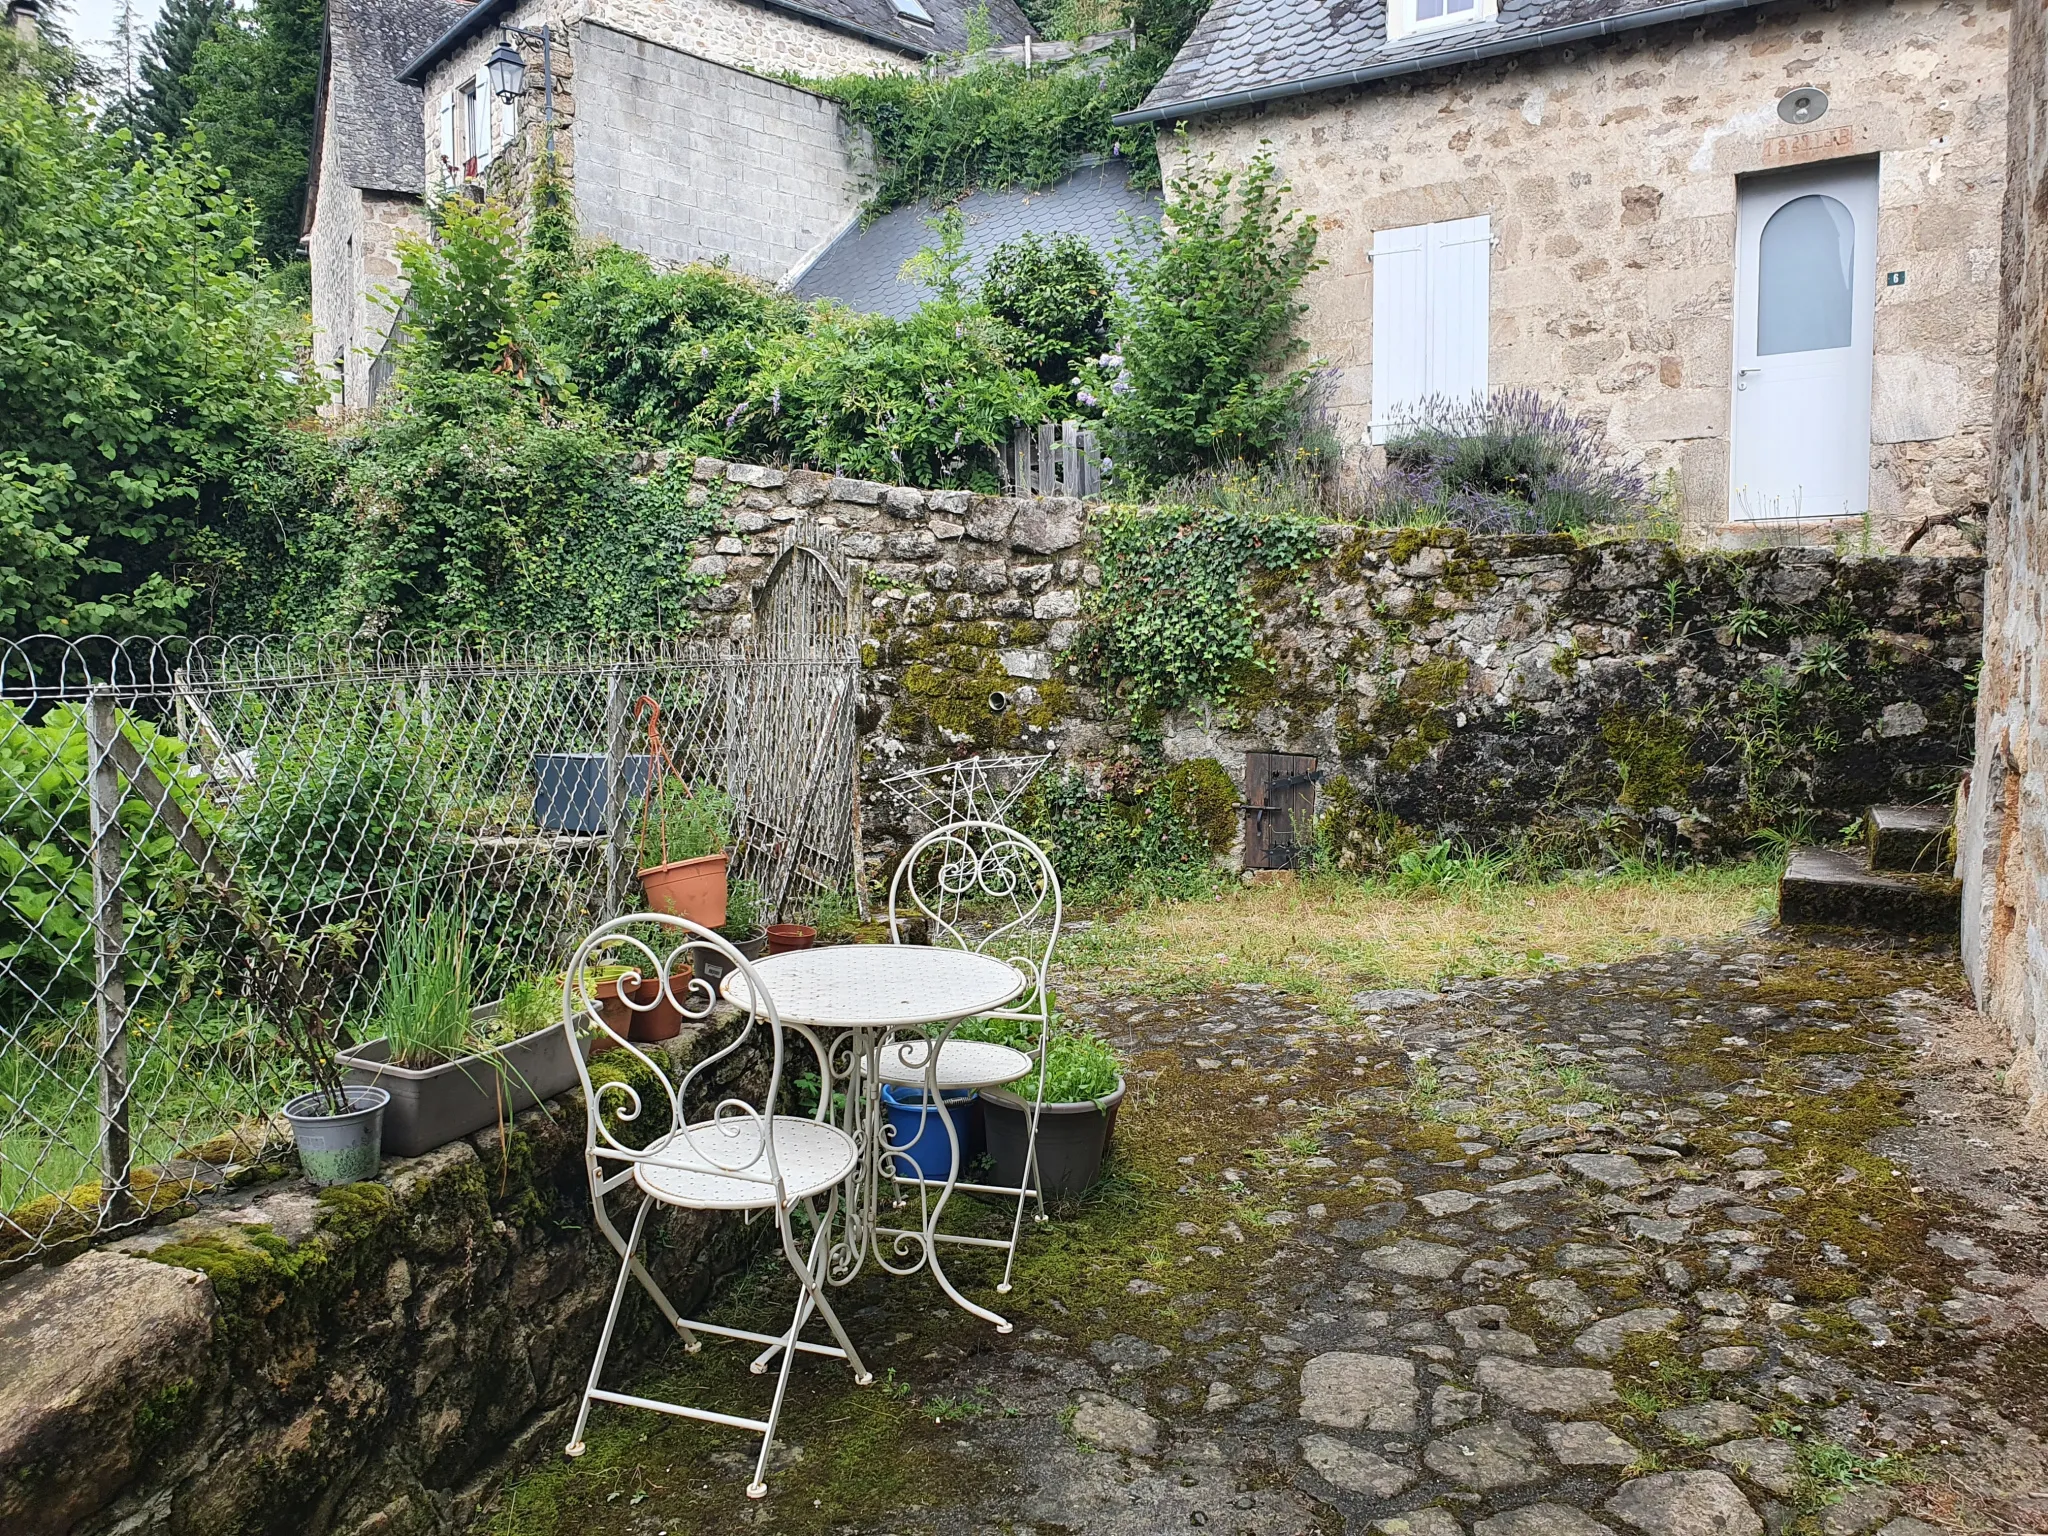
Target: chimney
<point x="21" y="18"/>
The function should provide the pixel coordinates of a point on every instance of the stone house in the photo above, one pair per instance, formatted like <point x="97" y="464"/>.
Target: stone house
<point x="670" y="126"/>
<point x="1758" y="241"/>
<point x="368" y="185"/>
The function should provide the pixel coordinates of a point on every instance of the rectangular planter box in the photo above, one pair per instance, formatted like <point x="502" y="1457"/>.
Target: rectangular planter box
<point x="433" y="1106"/>
<point x="569" y="789"/>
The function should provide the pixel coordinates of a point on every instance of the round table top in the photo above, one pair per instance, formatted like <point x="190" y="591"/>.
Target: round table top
<point x="880" y="986"/>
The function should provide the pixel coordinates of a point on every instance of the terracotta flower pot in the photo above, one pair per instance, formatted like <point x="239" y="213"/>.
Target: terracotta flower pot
<point x="783" y="937"/>
<point x="664" y="1021"/>
<point x="691" y="888"/>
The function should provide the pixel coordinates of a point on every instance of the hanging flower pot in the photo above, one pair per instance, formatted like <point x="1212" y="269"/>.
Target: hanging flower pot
<point x="686" y="830"/>
<point x="691" y="888"/>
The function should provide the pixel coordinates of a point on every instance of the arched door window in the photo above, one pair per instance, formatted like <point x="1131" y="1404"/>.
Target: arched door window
<point x="1805" y="276"/>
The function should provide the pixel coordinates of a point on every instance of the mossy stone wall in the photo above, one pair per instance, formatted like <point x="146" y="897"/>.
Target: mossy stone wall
<point x="1593" y="698"/>
<point x="367" y="1358"/>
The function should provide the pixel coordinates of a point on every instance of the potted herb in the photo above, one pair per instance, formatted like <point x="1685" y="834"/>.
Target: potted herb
<point x="449" y="1068"/>
<point x="1083" y="1085"/>
<point x="690" y="829"/>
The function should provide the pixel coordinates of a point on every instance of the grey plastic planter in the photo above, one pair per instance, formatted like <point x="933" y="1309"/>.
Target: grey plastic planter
<point x="569" y="792"/>
<point x="1071" y="1139"/>
<point x="711" y="964"/>
<point x="343" y="1148"/>
<point x="432" y="1106"/>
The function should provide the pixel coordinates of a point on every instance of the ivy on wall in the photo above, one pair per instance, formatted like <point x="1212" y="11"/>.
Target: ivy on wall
<point x="1173" y="619"/>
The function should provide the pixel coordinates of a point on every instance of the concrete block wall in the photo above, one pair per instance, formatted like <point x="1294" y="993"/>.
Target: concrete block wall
<point x="687" y="159"/>
<point x="1609" y="171"/>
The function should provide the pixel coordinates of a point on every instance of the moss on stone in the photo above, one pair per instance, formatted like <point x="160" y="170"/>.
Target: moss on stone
<point x="1207" y="797"/>
<point x="1414" y="718"/>
<point x="1655" y="756"/>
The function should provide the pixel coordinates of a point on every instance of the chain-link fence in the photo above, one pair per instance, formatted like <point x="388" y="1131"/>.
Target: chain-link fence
<point x="202" y="840"/>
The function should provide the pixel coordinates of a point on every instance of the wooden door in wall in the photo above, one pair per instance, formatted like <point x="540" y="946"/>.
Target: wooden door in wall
<point x="1805" y="299"/>
<point x="1280" y="809"/>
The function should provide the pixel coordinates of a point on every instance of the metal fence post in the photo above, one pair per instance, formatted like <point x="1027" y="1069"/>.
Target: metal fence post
<point x="102" y="730"/>
<point x="617" y="820"/>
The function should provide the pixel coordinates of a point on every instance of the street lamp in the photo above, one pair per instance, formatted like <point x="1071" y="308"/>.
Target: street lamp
<point x="508" y="70"/>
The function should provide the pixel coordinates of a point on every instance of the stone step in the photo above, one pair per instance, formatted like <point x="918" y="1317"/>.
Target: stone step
<point x="1912" y="839"/>
<point x="1830" y="888"/>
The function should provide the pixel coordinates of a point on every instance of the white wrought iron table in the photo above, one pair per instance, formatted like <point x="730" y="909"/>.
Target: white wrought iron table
<point x="867" y="997"/>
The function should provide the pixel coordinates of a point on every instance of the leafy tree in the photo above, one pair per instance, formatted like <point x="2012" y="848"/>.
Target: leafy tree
<point x="1053" y="296"/>
<point x="252" y="86"/>
<point x="1205" y="330"/>
<point x="467" y="301"/>
<point x="141" y="362"/>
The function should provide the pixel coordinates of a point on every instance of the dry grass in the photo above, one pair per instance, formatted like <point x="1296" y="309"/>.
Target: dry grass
<point x="1327" y="938"/>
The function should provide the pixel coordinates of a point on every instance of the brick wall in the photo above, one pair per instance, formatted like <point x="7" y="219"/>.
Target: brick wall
<point x="2004" y="823"/>
<point x="689" y="160"/>
<point x="1610" y="173"/>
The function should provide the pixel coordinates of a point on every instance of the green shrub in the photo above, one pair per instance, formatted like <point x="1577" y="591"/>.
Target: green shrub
<point x="1079" y="1065"/>
<point x="1134" y="836"/>
<point x="1053" y="298"/>
<point x="1205" y="330"/>
<point x="142" y="360"/>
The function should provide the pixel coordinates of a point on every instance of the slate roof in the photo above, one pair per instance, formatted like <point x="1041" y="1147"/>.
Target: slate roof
<point x="378" y="145"/>
<point x="1243" y="52"/>
<point x="860" y="268"/>
<point x="875" y="20"/>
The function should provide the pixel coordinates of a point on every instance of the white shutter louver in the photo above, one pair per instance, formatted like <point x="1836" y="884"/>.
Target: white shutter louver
<point x="1400" y="324"/>
<point x="1460" y="263"/>
<point x="447" y="134"/>
<point x="481" y="140"/>
<point x="1431" y="290"/>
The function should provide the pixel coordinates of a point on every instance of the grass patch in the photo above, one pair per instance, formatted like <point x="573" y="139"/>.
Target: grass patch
<point x="1325" y="938"/>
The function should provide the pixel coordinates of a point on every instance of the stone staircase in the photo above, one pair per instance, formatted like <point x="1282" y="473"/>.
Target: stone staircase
<point x="1899" y="881"/>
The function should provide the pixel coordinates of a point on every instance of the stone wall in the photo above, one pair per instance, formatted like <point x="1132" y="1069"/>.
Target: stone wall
<point x="2004" y="823"/>
<point x="1609" y="170"/>
<point x="355" y="1360"/>
<point x="1486" y="688"/>
<point x="690" y="160"/>
<point x="353" y="251"/>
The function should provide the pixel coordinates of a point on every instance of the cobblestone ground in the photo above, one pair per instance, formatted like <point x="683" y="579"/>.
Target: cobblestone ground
<point x="1712" y="1243"/>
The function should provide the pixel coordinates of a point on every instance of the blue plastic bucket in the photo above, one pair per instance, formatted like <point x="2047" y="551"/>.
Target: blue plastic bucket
<point x="916" y="1136"/>
<point x="569" y="789"/>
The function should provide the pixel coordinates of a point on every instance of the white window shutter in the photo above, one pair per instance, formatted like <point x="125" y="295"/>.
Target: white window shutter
<point x="1460" y="277"/>
<point x="447" y="134"/>
<point x="484" y="142"/>
<point x="1400" y="323"/>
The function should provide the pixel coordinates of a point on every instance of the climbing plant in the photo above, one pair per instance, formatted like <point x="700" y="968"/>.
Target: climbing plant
<point x="1172" y="621"/>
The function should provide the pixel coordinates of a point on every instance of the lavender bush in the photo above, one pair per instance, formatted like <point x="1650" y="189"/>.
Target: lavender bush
<point x="1510" y="462"/>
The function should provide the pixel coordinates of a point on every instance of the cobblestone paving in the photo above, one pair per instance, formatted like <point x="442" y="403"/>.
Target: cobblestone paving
<point x="1695" y="1245"/>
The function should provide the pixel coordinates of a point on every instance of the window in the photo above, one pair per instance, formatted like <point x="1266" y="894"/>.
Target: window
<point x="1804" y="275"/>
<point x="472" y="138"/>
<point x="1430" y="285"/>
<point x="913" y="10"/>
<point x="1408" y="18"/>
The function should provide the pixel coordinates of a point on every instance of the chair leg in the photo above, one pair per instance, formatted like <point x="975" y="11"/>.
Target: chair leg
<point x="813" y="1299"/>
<point x="655" y="1293"/>
<point x="604" y="1339"/>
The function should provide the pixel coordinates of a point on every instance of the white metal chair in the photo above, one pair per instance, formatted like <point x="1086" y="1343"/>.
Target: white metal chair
<point x="982" y="886"/>
<point x="738" y="1155"/>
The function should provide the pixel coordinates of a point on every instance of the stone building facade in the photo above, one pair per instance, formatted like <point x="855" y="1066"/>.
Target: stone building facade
<point x="1605" y="154"/>
<point x="2003" y="826"/>
<point x="368" y="187"/>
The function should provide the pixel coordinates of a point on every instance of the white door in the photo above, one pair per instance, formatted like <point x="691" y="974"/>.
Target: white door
<point x="1805" y="283"/>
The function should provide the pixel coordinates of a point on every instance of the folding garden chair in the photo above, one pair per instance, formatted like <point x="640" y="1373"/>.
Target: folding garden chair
<point x="739" y="1155"/>
<point x="983" y="886"/>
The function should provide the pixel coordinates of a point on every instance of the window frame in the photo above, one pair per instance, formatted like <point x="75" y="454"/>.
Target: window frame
<point x="1403" y="25"/>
